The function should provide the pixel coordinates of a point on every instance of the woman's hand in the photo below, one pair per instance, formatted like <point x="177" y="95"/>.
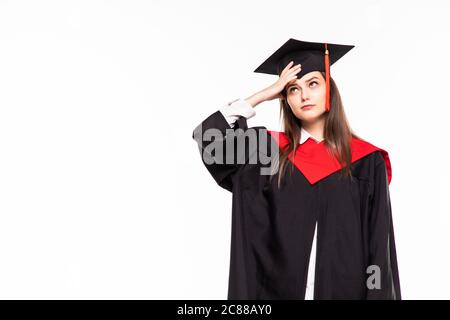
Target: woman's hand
<point x="287" y="76"/>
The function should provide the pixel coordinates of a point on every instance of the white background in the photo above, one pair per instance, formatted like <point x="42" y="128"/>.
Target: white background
<point x="102" y="191"/>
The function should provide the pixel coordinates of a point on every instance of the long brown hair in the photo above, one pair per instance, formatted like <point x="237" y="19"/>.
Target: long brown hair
<point x="337" y="132"/>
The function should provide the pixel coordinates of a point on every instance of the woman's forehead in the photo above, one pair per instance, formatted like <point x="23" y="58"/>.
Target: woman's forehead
<point x="310" y="75"/>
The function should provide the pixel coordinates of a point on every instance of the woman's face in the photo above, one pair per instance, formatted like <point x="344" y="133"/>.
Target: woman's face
<point x="308" y="90"/>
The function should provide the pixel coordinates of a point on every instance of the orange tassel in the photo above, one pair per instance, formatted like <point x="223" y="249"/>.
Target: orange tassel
<point x="327" y="78"/>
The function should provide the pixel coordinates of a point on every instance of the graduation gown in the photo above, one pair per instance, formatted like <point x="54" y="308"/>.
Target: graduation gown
<point x="273" y="228"/>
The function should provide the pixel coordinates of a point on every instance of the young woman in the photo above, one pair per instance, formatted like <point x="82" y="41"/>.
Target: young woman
<point x="319" y="226"/>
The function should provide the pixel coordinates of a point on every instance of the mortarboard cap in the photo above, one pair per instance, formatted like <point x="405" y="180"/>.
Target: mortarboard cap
<point x="313" y="56"/>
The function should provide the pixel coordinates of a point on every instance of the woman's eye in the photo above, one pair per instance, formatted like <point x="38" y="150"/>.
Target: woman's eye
<point x="292" y="88"/>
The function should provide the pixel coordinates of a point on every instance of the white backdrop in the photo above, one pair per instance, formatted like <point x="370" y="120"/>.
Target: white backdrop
<point x="102" y="191"/>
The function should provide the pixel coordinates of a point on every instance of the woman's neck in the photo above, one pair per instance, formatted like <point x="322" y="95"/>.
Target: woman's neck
<point x="315" y="128"/>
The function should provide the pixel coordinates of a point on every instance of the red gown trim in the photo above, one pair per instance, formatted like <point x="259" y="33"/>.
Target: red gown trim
<point x="314" y="161"/>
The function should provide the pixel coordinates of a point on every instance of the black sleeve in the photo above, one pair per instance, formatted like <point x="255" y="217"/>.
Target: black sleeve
<point x="382" y="252"/>
<point x="221" y="146"/>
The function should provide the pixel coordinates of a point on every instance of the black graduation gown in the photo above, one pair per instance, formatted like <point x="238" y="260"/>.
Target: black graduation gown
<point x="273" y="228"/>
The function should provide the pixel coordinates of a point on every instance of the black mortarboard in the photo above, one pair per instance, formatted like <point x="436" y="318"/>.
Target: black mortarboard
<point x="313" y="56"/>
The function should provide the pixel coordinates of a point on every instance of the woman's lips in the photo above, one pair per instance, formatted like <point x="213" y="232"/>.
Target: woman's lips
<point x="307" y="107"/>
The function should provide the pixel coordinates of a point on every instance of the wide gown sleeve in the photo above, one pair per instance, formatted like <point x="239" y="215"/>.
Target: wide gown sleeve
<point x="382" y="251"/>
<point x="224" y="145"/>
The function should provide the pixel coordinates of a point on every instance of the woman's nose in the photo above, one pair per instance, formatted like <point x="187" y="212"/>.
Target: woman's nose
<point x="305" y="95"/>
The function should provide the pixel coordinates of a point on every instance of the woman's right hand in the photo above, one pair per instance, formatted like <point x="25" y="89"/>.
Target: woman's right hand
<point x="287" y="76"/>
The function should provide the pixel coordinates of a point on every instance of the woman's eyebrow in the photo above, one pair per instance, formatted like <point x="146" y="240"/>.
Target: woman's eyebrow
<point x="294" y="84"/>
<point x="312" y="78"/>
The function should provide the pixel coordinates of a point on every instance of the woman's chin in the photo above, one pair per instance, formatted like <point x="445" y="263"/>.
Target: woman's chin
<point x="308" y="116"/>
